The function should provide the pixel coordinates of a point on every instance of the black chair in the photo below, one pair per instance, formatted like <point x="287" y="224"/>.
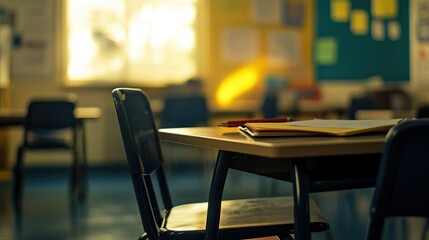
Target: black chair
<point x="184" y="111"/>
<point x="402" y="187"/>
<point x="240" y="219"/>
<point x="423" y="111"/>
<point x="393" y="98"/>
<point x="359" y="103"/>
<point x="269" y="106"/>
<point x="49" y="124"/>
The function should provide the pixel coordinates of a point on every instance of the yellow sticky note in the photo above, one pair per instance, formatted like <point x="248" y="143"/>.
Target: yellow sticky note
<point x="377" y="29"/>
<point x="359" y="22"/>
<point x="340" y="10"/>
<point x="326" y="51"/>
<point x="394" y="30"/>
<point x="384" y="8"/>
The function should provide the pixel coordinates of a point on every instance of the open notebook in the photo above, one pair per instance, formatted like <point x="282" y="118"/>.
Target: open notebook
<point x="318" y="127"/>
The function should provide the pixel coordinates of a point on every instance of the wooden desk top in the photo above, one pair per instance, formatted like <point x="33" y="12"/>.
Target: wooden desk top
<point x="10" y="117"/>
<point x="230" y="139"/>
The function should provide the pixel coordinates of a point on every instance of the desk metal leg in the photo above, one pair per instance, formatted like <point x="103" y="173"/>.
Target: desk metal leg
<point x="301" y="199"/>
<point x="215" y="195"/>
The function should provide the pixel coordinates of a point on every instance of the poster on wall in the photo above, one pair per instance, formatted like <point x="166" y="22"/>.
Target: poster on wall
<point x="284" y="48"/>
<point x="239" y="44"/>
<point x="266" y="11"/>
<point x="421" y="43"/>
<point x="33" y="38"/>
<point x="423" y="21"/>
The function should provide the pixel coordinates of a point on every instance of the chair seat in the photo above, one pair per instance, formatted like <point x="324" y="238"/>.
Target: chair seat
<point x="49" y="139"/>
<point x="244" y="215"/>
<point x="50" y="143"/>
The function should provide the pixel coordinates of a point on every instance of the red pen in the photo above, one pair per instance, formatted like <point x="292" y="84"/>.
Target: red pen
<point x="236" y="123"/>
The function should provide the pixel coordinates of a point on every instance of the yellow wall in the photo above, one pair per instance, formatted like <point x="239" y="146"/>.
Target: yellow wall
<point x="223" y="14"/>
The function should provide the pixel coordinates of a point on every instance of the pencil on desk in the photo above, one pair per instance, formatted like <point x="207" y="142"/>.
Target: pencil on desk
<point x="236" y="123"/>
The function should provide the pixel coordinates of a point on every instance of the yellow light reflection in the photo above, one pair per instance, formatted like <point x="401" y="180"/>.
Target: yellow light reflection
<point x="236" y="84"/>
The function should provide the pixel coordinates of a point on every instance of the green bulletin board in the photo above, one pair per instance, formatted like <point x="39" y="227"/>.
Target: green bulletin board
<point x="343" y="54"/>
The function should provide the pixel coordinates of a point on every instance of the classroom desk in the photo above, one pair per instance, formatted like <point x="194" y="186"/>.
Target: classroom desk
<point x="16" y="118"/>
<point x="311" y="163"/>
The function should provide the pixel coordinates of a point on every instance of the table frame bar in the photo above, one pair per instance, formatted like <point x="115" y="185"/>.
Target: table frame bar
<point x="301" y="198"/>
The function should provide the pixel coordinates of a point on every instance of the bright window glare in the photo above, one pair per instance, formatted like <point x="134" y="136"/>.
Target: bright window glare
<point x="144" y="41"/>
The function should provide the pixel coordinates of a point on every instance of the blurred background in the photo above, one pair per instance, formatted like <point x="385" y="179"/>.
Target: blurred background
<point x="342" y="59"/>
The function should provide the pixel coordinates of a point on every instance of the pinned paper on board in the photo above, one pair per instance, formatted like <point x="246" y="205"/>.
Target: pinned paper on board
<point x="422" y="16"/>
<point x="394" y="30"/>
<point x="359" y="22"/>
<point x="326" y="51"/>
<point x="377" y="30"/>
<point x="293" y="13"/>
<point x="340" y="10"/>
<point x="266" y="11"/>
<point x="34" y="57"/>
<point x="239" y="44"/>
<point x="283" y="48"/>
<point x="384" y="9"/>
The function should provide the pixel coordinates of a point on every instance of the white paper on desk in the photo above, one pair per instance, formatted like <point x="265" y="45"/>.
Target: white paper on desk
<point x="328" y="123"/>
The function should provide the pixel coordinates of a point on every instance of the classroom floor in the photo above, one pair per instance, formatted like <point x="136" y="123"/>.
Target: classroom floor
<point x="110" y="211"/>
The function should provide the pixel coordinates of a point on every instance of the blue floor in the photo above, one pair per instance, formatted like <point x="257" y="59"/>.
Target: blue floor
<point x="110" y="211"/>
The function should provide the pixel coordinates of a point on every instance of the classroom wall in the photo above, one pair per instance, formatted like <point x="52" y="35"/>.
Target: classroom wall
<point x="255" y="35"/>
<point x="419" y="51"/>
<point x="104" y="145"/>
<point x="37" y="73"/>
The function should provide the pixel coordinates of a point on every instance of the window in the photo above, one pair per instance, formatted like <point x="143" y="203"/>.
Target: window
<point x="144" y="42"/>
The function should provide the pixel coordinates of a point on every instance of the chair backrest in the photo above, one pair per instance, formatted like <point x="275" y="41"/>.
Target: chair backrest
<point x="50" y="114"/>
<point x="270" y="105"/>
<point x="396" y="99"/>
<point x="143" y="150"/>
<point x="359" y="103"/>
<point x="423" y="111"/>
<point x="184" y="111"/>
<point x="402" y="187"/>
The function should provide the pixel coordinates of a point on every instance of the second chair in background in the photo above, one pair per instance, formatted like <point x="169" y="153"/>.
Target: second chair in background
<point x="186" y="108"/>
<point x="184" y="111"/>
<point x="49" y="124"/>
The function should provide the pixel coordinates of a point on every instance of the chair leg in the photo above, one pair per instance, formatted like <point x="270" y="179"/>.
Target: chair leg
<point x="83" y="163"/>
<point x="75" y="175"/>
<point x="79" y="176"/>
<point x="83" y="177"/>
<point x="18" y="176"/>
<point x="425" y="233"/>
<point x="143" y="237"/>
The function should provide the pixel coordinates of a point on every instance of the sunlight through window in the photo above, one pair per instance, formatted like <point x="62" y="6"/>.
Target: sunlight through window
<point x="146" y="42"/>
